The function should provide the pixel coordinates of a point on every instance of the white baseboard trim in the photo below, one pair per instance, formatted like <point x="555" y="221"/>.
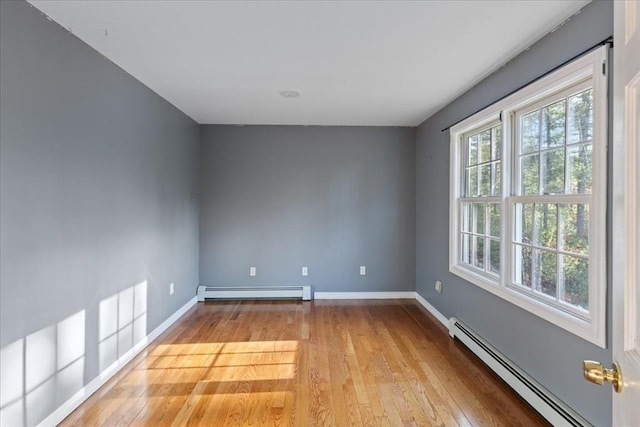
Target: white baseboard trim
<point x="63" y="411"/>
<point x="431" y="309"/>
<point x="364" y="295"/>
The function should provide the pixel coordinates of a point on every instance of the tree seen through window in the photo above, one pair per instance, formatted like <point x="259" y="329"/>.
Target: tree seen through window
<point x="552" y="245"/>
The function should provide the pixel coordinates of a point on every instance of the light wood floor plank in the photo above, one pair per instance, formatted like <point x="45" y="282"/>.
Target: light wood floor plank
<point x="293" y="363"/>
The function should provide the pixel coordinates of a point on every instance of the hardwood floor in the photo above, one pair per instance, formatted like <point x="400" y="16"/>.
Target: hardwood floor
<point x="294" y="363"/>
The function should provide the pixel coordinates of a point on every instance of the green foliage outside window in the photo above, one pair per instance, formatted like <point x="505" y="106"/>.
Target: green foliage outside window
<point x="555" y="159"/>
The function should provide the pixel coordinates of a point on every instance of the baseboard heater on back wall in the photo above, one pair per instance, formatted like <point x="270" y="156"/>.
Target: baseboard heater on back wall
<point x="549" y="406"/>
<point x="254" y="292"/>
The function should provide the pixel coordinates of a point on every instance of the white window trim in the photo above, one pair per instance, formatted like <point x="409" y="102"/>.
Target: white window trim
<point x="488" y="116"/>
<point x="587" y="67"/>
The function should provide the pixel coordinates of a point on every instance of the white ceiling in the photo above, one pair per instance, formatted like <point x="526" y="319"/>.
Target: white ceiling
<point x="354" y="62"/>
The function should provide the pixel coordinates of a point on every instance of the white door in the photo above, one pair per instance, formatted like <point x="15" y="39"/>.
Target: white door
<point x="626" y="210"/>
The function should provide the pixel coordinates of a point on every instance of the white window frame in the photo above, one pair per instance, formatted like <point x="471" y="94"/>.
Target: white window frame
<point x="589" y="67"/>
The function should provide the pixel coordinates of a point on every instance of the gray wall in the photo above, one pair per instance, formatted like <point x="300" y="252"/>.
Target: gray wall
<point x="98" y="193"/>
<point x="330" y="198"/>
<point x="548" y="353"/>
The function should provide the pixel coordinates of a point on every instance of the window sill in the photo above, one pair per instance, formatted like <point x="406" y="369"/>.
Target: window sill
<point x="587" y="330"/>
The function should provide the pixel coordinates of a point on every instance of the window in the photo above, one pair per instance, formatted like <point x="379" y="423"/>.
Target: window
<point x="480" y="202"/>
<point x="528" y="197"/>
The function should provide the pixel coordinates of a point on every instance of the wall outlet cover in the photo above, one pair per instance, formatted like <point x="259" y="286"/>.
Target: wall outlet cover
<point x="438" y="286"/>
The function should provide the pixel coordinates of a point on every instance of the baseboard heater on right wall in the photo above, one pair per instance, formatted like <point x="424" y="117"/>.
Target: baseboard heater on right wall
<point x="549" y="406"/>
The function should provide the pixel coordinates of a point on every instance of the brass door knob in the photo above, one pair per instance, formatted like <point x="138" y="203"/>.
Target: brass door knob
<point x="596" y="373"/>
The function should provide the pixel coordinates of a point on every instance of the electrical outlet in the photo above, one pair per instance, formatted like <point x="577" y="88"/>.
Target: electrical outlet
<point x="252" y="271"/>
<point x="171" y="288"/>
<point x="363" y="270"/>
<point x="305" y="271"/>
<point x="439" y="286"/>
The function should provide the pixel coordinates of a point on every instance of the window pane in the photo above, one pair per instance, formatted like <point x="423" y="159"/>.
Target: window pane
<point x="575" y="228"/>
<point x="524" y="225"/>
<point x="524" y="276"/>
<point x="485" y="180"/>
<point x="472" y="150"/>
<point x="496" y="142"/>
<point x="471" y="179"/>
<point x="545" y="230"/>
<point x="465" y="217"/>
<point x="479" y="260"/>
<point x="494" y="219"/>
<point x="576" y="281"/>
<point x="580" y="168"/>
<point x="496" y="179"/>
<point x="580" y="118"/>
<point x="535" y="269"/>
<point x="466" y="249"/>
<point x="529" y="174"/>
<point x="485" y="146"/>
<point x="549" y="269"/>
<point x="530" y="140"/>
<point x="553" y="172"/>
<point x="478" y="210"/>
<point x="553" y="118"/>
<point x="494" y="256"/>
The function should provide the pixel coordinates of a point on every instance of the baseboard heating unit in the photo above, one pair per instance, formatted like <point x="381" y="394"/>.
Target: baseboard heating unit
<point x="255" y="292"/>
<point x="549" y="406"/>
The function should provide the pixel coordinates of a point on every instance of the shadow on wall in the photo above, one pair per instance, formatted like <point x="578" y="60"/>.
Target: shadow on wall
<point x="45" y="369"/>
